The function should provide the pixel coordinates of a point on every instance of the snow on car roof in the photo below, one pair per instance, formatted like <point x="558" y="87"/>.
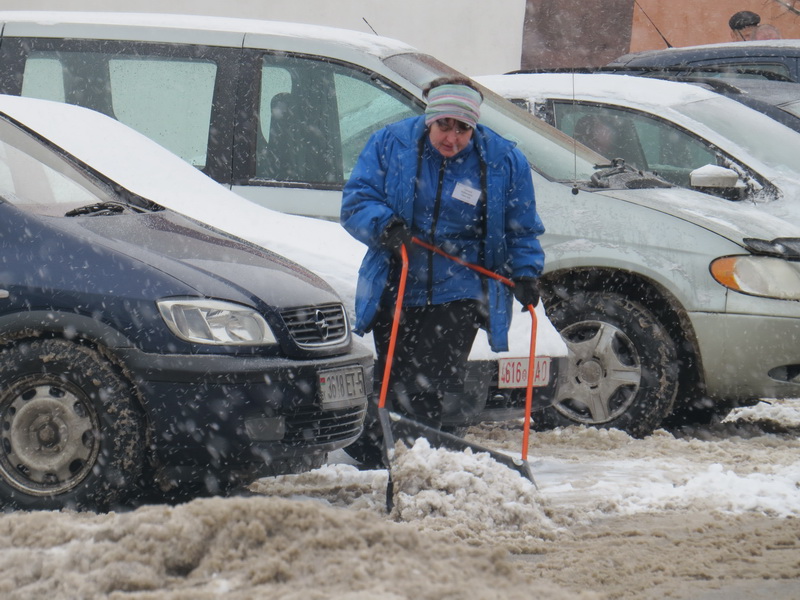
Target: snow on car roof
<point x="639" y="91"/>
<point x="750" y="46"/>
<point x="372" y="44"/>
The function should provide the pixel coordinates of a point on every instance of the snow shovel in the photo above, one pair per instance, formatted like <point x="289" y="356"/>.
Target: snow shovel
<point x="395" y="426"/>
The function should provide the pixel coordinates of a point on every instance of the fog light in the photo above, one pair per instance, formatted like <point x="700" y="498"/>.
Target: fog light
<point x="787" y="373"/>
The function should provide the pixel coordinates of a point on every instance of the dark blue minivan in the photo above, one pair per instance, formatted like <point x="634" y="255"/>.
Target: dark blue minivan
<point x="140" y="349"/>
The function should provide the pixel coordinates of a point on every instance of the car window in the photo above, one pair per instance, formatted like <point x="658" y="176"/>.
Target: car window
<point x="167" y="99"/>
<point x="364" y="107"/>
<point x="43" y="78"/>
<point x="316" y="116"/>
<point x="759" y="135"/>
<point x="38" y="180"/>
<point x="644" y="142"/>
<point x="778" y="68"/>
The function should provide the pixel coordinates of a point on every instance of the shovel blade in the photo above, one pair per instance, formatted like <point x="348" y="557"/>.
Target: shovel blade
<point x="398" y="427"/>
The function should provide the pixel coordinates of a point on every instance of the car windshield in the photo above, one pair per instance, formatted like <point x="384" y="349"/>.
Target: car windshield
<point x="550" y="152"/>
<point x="769" y="145"/>
<point x="37" y="179"/>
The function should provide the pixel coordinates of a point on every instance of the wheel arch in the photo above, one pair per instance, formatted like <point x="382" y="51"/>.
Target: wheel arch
<point x="653" y="296"/>
<point x="69" y="326"/>
<point x="78" y="329"/>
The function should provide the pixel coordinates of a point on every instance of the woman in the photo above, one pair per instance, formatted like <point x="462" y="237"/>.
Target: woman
<point x="445" y="179"/>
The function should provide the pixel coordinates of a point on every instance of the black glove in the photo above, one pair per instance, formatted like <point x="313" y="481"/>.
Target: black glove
<point x="526" y="290"/>
<point x="395" y="236"/>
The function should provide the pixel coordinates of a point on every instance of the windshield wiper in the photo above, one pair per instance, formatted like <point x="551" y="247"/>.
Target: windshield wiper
<point x="620" y="175"/>
<point x="110" y="207"/>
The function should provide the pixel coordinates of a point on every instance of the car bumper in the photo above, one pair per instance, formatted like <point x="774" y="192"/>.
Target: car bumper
<point x="225" y="412"/>
<point x="747" y="357"/>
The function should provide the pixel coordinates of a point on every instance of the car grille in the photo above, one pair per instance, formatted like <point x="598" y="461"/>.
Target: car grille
<point x="314" y="326"/>
<point x="314" y="426"/>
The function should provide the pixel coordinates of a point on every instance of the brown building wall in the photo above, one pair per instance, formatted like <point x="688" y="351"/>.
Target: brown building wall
<point x="583" y="33"/>
<point x="575" y="33"/>
<point x="689" y="23"/>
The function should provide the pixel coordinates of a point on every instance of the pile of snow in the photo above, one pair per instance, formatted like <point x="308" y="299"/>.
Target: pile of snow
<point x="781" y="416"/>
<point x="468" y="494"/>
<point x="244" y="548"/>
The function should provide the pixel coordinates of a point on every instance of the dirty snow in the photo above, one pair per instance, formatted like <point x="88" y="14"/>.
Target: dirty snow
<point x="710" y="513"/>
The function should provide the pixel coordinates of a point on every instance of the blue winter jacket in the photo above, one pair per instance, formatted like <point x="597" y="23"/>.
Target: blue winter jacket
<point x="383" y="187"/>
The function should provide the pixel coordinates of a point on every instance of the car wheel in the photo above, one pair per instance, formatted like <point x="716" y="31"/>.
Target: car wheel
<point x="622" y="370"/>
<point x="72" y="434"/>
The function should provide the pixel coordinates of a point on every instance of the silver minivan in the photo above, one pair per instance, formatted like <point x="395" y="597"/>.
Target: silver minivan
<point x="669" y="300"/>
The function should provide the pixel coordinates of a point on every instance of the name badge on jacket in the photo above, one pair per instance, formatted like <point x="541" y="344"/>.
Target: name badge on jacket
<point x="467" y="194"/>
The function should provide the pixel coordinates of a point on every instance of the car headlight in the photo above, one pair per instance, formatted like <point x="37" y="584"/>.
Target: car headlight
<point x="215" y="322"/>
<point x="759" y="276"/>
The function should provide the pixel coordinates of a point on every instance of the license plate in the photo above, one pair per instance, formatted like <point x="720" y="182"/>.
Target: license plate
<point x="340" y="386"/>
<point x="513" y="372"/>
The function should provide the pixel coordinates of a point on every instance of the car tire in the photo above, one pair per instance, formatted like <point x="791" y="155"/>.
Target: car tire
<point x="622" y="371"/>
<point x="72" y="434"/>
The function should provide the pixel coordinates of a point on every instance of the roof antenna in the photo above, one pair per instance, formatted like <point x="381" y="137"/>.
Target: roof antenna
<point x="370" y="26"/>
<point x="789" y="7"/>
<point x="574" y="146"/>
<point x="653" y="24"/>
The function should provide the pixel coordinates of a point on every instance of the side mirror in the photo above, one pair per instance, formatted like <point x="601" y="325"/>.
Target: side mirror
<point x="717" y="180"/>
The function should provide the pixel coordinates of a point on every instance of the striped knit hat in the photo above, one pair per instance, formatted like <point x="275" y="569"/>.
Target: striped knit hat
<point x="453" y="101"/>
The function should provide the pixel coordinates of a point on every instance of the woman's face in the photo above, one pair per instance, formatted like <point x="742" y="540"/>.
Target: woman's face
<point x="449" y="136"/>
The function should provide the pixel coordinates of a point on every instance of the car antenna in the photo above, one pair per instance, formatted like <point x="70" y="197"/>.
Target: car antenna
<point x="574" y="146"/>
<point x="370" y="26"/>
<point x="788" y="7"/>
<point x="653" y="24"/>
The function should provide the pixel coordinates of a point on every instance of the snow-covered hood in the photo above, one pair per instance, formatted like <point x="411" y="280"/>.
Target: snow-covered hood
<point x="732" y="220"/>
<point x="155" y="173"/>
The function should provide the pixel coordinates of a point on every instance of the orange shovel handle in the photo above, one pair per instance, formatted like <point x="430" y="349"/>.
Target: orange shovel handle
<point x="398" y="310"/>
